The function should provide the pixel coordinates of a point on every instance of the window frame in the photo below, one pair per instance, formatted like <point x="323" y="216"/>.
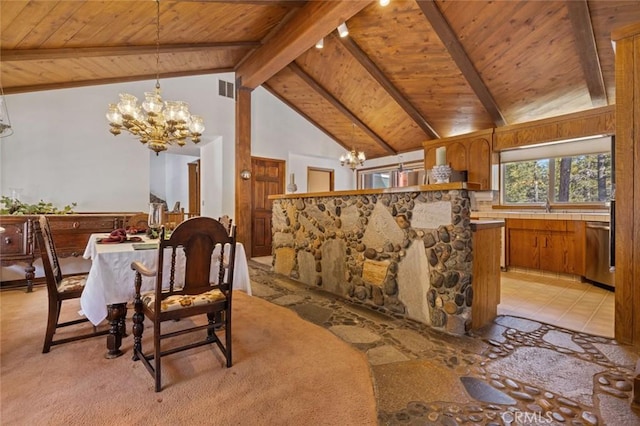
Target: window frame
<point x="392" y="169"/>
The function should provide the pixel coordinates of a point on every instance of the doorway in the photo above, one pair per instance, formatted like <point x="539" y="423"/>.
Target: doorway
<point x="268" y="179"/>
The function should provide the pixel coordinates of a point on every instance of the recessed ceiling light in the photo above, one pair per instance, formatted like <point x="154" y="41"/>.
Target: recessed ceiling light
<point x="343" y="30"/>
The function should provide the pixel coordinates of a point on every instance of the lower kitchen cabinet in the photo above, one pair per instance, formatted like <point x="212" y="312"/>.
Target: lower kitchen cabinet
<point x="545" y="244"/>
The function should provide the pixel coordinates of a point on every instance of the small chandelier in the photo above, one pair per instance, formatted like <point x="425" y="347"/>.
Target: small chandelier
<point x="352" y="158"/>
<point x="153" y="125"/>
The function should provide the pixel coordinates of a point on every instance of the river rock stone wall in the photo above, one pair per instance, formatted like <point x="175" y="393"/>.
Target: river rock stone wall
<point x="407" y="253"/>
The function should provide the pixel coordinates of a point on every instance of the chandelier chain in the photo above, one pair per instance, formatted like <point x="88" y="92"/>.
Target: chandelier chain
<point x="158" y="44"/>
<point x="155" y="122"/>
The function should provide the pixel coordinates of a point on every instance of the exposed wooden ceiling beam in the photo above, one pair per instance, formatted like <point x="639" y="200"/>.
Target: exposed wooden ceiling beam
<point x="391" y="89"/>
<point x="312" y="22"/>
<point x="303" y="114"/>
<point x="458" y="54"/>
<point x="288" y="3"/>
<point x="111" y="80"/>
<point x="88" y="52"/>
<point x="275" y="30"/>
<point x="587" y="50"/>
<point x="340" y="107"/>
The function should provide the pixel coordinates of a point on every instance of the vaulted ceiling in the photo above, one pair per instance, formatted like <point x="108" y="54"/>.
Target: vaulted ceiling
<point x="406" y="73"/>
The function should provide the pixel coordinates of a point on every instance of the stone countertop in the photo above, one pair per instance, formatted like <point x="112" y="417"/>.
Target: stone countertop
<point x="414" y="188"/>
<point x="502" y="214"/>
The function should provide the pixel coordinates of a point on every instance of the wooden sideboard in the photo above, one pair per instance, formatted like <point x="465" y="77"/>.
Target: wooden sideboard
<point x="70" y="233"/>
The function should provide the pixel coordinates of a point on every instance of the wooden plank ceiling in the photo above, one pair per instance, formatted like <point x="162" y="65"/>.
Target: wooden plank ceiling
<point x="406" y="73"/>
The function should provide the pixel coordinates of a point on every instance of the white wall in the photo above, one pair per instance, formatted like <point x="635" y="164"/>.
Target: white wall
<point x="61" y="150"/>
<point x="157" y="172"/>
<point x="279" y="132"/>
<point x="177" y="179"/>
<point x="211" y="181"/>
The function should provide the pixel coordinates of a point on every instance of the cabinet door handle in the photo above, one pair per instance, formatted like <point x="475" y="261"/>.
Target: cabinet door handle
<point x="546" y="243"/>
<point x="7" y="240"/>
<point x="76" y="225"/>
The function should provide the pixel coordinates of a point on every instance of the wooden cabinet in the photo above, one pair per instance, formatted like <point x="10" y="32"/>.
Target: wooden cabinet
<point x="486" y="271"/>
<point x="550" y="245"/>
<point x="70" y="233"/>
<point x="470" y="152"/>
<point x="597" y="121"/>
<point x="16" y="244"/>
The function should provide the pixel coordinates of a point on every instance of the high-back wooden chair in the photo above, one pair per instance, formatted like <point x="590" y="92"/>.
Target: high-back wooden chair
<point x="140" y="221"/>
<point x="202" y="286"/>
<point x="59" y="287"/>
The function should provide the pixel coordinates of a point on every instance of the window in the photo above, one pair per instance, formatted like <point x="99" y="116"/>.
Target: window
<point x="391" y="176"/>
<point x="576" y="172"/>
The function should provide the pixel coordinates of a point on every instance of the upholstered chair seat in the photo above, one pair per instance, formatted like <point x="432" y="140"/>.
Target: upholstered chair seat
<point x="180" y="301"/>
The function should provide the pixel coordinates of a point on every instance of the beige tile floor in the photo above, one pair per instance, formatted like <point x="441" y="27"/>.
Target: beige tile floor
<point x="557" y="301"/>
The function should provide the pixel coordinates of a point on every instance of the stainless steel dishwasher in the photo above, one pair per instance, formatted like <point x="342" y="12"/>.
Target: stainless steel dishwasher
<point x="597" y="254"/>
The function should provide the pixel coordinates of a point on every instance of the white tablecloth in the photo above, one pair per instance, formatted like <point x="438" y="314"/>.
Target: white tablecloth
<point x="111" y="279"/>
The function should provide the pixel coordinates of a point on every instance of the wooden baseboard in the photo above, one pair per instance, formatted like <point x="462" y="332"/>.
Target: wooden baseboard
<point x="13" y="284"/>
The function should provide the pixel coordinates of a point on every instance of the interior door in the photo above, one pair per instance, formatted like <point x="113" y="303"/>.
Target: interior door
<point x="268" y="179"/>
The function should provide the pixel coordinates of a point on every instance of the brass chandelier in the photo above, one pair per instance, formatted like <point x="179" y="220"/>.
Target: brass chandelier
<point x="158" y="123"/>
<point x="352" y="158"/>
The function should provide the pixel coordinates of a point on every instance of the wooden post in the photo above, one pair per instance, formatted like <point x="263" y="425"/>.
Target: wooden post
<point x="627" y="158"/>
<point x="635" y="399"/>
<point x="243" y="206"/>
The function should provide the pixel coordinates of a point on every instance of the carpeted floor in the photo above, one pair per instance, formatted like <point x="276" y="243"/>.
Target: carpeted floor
<point x="286" y="371"/>
<point x="317" y="359"/>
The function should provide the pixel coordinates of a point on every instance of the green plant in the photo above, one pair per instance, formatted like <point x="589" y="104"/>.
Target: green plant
<point x="16" y="207"/>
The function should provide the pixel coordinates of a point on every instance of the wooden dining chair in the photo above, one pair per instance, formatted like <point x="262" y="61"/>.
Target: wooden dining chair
<point x="187" y="291"/>
<point x="59" y="288"/>
<point x="139" y="221"/>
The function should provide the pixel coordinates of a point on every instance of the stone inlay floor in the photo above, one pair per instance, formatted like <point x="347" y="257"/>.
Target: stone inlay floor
<point x="512" y="372"/>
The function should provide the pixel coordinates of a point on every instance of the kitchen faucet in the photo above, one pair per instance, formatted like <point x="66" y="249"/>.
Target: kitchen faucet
<point x="547" y="205"/>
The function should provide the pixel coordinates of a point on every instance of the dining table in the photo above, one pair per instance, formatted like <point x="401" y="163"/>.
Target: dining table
<point x="110" y="282"/>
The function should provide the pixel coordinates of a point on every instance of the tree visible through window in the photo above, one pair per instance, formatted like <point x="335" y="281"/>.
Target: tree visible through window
<point x="571" y="179"/>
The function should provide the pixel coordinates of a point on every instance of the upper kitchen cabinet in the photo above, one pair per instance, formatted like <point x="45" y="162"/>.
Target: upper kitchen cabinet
<point x="470" y="152"/>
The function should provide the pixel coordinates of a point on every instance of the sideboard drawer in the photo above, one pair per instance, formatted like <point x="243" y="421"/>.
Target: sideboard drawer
<point x="13" y="240"/>
<point x="84" y="224"/>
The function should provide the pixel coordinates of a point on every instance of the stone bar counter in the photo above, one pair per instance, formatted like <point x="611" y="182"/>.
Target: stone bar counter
<point x="406" y="251"/>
